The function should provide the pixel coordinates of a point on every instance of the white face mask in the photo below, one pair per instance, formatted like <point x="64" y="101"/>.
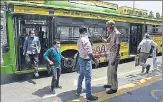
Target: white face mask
<point x="58" y="45"/>
<point x="32" y="35"/>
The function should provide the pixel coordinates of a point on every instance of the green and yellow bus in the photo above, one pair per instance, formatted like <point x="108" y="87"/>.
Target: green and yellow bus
<point x="61" y="20"/>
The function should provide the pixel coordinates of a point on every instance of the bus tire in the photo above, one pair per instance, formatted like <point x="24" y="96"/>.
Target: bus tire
<point x="68" y="65"/>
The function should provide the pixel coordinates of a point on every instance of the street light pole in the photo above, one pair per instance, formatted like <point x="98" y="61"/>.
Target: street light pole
<point x="133" y="6"/>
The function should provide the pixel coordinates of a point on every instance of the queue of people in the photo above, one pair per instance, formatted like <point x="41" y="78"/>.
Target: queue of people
<point x="85" y="57"/>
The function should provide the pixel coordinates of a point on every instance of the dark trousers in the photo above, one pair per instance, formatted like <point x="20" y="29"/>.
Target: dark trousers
<point x="56" y="72"/>
<point x="32" y="58"/>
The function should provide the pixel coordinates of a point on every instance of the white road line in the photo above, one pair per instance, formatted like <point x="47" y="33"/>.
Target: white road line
<point x="47" y="96"/>
<point x="102" y="78"/>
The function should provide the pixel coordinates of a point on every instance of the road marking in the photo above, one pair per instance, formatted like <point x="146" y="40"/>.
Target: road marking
<point x="153" y="93"/>
<point x="103" y="78"/>
<point x="126" y="88"/>
<point x="51" y="95"/>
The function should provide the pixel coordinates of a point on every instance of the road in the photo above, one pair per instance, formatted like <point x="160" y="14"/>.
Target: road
<point x="133" y="87"/>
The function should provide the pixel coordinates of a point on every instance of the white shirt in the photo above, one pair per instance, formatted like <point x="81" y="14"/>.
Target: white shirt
<point x="84" y="47"/>
<point x="146" y="44"/>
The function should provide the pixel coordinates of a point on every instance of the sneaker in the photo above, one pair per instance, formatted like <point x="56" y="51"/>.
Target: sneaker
<point x="111" y="91"/>
<point x="142" y="70"/>
<point x="36" y="74"/>
<point x="78" y="93"/>
<point x="148" y="68"/>
<point x="107" y="86"/>
<point x="92" y="98"/>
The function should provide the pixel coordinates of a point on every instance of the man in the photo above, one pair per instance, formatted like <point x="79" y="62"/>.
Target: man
<point x="144" y="48"/>
<point x="31" y="50"/>
<point x="85" y="57"/>
<point x="53" y="57"/>
<point x="113" y="42"/>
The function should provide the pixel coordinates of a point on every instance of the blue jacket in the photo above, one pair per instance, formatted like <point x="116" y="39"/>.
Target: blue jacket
<point x="54" y="55"/>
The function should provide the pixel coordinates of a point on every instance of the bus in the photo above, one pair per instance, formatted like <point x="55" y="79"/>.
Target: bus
<point x="61" y="20"/>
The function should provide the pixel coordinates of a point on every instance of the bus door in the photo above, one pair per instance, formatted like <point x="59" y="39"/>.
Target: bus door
<point x="135" y="37"/>
<point x="25" y="23"/>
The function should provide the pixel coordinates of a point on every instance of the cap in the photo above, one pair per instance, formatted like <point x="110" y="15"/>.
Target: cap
<point x="110" y="22"/>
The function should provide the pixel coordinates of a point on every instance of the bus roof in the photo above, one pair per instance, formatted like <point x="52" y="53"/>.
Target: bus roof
<point x="78" y="7"/>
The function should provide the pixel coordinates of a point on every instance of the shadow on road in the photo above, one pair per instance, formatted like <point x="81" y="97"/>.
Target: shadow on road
<point x="65" y="96"/>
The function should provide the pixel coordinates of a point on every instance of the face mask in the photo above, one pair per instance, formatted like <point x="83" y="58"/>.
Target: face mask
<point x="32" y="35"/>
<point x="58" y="45"/>
<point x="110" y="28"/>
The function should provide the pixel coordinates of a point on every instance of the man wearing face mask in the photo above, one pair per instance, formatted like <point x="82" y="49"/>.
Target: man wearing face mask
<point x="31" y="50"/>
<point x="113" y="42"/>
<point x="53" y="57"/>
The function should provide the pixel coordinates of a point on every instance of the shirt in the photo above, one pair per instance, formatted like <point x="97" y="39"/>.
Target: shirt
<point x="55" y="56"/>
<point x="31" y="44"/>
<point x="84" y="47"/>
<point x="113" y="40"/>
<point x="146" y="44"/>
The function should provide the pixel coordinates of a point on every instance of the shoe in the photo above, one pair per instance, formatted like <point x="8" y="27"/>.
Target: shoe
<point x="58" y="86"/>
<point x="111" y="91"/>
<point x="107" y="86"/>
<point x="78" y="93"/>
<point x="92" y="98"/>
<point x="36" y="74"/>
<point x="142" y="70"/>
<point x="148" y="68"/>
<point x="53" y="91"/>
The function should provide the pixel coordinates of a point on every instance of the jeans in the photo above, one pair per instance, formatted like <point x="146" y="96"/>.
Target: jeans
<point x="85" y="71"/>
<point x="56" y="72"/>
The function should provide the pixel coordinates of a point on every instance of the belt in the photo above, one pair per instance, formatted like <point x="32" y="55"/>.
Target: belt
<point x="85" y="59"/>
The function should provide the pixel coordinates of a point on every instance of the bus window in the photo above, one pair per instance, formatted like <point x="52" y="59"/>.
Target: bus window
<point x="91" y="31"/>
<point x="124" y="31"/>
<point x="149" y="29"/>
<point x="99" y="30"/>
<point x="64" y="31"/>
<point x="76" y="31"/>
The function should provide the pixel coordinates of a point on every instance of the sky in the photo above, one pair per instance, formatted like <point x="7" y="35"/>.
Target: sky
<point x="155" y="6"/>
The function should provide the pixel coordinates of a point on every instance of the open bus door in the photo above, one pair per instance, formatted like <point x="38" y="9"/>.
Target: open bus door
<point x="135" y="37"/>
<point x="42" y="27"/>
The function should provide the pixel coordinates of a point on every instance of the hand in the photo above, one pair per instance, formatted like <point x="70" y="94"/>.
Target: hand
<point x="96" y="62"/>
<point x="96" y="56"/>
<point x="113" y="63"/>
<point x="23" y="53"/>
<point x="100" y="36"/>
<point x="51" y="63"/>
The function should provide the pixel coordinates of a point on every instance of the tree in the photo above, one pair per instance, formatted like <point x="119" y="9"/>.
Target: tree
<point x="157" y="15"/>
<point x="151" y="15"/>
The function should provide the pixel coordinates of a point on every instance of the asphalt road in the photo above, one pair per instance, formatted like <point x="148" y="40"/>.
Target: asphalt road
<point x="27" y="89"/>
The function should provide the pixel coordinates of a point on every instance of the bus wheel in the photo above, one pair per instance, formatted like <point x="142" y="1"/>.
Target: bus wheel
<point x="68" y="65"/>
